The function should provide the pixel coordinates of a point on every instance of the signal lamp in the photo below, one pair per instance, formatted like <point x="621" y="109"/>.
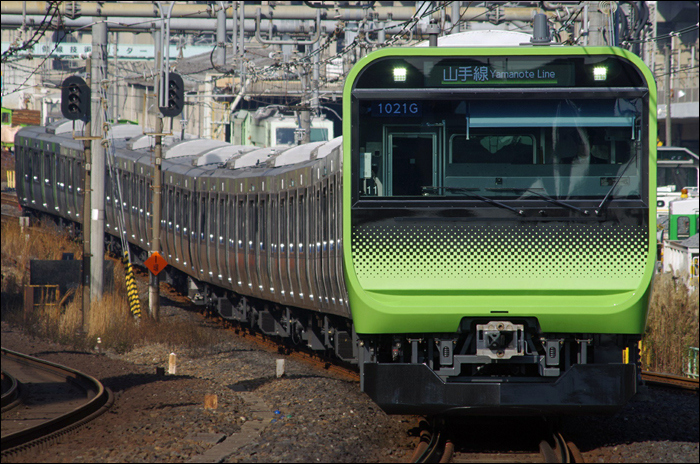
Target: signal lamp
<point x="75" y="99"/>
<point x="174" y="96"/>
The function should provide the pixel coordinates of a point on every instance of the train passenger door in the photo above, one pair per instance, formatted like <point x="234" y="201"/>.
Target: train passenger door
<point x="411" y="160"/>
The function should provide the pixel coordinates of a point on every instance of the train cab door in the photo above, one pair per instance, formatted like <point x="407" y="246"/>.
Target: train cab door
<point x="411" y="160"/>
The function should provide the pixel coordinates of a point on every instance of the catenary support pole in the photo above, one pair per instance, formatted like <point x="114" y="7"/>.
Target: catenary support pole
<point x="86" y="213"/>
<point x="97" y="213"/>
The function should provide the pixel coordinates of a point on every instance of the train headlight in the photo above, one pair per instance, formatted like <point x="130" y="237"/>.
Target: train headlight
<point x="600" y="73"/>
<point x="400" y="74"/>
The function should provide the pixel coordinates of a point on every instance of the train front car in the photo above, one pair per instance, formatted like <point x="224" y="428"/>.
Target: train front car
<point x="499" y="226"/>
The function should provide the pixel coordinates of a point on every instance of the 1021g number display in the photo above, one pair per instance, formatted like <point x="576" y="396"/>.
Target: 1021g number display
<point x="384" y="109"/>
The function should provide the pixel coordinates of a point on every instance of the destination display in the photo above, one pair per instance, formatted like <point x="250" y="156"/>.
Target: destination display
<point x="499" y="72"/>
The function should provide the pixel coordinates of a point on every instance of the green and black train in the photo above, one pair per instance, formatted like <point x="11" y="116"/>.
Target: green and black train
<point x="481" y="240"/>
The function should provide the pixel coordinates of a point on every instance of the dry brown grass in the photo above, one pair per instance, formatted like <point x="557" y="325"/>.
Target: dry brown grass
<point x="109" y="319"/>
<point x="672" y="325"/>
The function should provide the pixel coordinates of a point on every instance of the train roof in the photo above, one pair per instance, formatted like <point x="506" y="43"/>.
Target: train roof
<point x="193" y="156"/>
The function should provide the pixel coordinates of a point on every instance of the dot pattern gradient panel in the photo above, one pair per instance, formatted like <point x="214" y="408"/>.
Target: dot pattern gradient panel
<point x="529" y="257"/>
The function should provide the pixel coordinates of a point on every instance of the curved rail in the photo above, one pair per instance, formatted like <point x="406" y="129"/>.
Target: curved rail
<point x="10" y="392"/>
<point x="101" y="400"/>
<point x="670" y="381"/>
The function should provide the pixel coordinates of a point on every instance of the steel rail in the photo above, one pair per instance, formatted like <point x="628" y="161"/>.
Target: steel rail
<point x="101" y="400"/>
<point x="10" y="393"/>
<point x="670" y="381"/>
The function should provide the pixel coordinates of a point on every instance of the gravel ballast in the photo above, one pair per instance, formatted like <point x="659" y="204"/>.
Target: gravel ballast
<point x="309" y="415"/>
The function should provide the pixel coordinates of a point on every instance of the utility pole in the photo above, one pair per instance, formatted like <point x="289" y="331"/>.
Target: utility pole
<point x="154" y="281"/>
<point x="305" y="113"/>
<point x="97" y="216"/>
<point x="596" y="25"/>
<point x="667" y="92"/>
<point x="86" y="211"/>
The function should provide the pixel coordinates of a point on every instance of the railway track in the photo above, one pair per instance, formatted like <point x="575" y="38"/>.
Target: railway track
<point x="494" y="440"/>
<point x="57" y="400"/>
<point x="670" y="381"/>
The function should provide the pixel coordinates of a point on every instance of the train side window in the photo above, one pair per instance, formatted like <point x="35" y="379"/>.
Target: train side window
<point x="683" y="225"/>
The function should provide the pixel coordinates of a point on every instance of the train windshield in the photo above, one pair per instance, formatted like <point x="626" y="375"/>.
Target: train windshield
<point x="560" y="148"/>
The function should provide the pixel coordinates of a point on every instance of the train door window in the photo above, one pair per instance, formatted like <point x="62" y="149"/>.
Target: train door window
<point x="683" y="224"/>
<point x="232" y="223"/>
<point x="202" y="217"/>
<point x="263" y="224"/>
<point x="292" y="224"/>
<point x="252" y="224"/>
<point x="177" y="218"/>
<point x="212" y="218"/>
<point x="302" y="223"/>
<point x="142" y="197"/>
<point x="241" y="224"/>
<point x="47" y="170"/>
<point x="108" y="187"/>
<point x="69" y="175"/>
<point x="62" y="175"/>
<point x="37" y="166"/>
<point x="331" y="216"/>
<point x="185" y="213"/>
<point x="125" y="191"/>
<point x="274" y="227"/>
<point x="222" y="220"/>
<point x="324" y="222"/>
<point x="283" y="226"/>
<point x="170" y="209"/>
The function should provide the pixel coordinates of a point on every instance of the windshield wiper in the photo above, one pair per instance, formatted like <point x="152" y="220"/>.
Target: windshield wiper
<point x="469" y="192"/>
<point x="608" y="196"/>
<point x="543" y="196"/>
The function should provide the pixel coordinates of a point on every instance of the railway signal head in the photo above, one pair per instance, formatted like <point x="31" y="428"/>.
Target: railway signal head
<point x="75" y="99"/>
<point x="174" y="96"/>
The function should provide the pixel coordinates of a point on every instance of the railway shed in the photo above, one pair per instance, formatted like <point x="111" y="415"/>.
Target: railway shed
<point x="681" y="256"/>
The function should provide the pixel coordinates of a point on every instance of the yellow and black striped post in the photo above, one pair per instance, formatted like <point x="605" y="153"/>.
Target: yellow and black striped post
<point x="131" y="288"/>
